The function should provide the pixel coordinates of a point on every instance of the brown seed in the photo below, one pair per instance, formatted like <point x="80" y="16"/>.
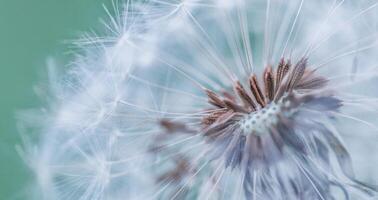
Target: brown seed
<point x="235" y="107"/>
<point x="244" y="96"/>
<point x="269" y="83"/>
<point x="173" y="127"/>
<point x="279" y="72"/>
<point x="297" y="74"/>
<point x="214" y="99"/>
<point x="256" y="90"/>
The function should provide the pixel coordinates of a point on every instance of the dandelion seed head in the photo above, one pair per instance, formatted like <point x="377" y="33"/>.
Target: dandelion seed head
<point x="217" y="99"/>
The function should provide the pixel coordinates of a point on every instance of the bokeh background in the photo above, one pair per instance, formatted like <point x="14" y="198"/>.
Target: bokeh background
<point x="31" y="31"/>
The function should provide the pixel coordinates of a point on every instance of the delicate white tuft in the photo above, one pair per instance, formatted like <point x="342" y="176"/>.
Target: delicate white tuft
<point x="148" y="108"/>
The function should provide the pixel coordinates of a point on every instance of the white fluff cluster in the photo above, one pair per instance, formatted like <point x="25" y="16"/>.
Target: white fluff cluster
<point x="102" y="135"/>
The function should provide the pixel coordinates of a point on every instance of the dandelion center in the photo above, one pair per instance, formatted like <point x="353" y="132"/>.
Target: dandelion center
<point x="259" y="122"/>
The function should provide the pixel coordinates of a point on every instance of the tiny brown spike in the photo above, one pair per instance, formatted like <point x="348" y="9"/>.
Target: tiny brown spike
<point x="282" y="75"/>
<point x="212" y="117"/>
<point x="297" y="73"/>
<point x="244" y="96"/>
<point x="235" y="107"/>
<point x="215" y="99"/>
<point x="269" y="83"/>
<point x="256" y="90"/>
<point x="173" y="127"/>
<point x="280" y="72"/>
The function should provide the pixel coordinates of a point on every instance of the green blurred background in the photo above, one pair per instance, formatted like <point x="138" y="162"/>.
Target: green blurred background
<point x="30" y="31"/>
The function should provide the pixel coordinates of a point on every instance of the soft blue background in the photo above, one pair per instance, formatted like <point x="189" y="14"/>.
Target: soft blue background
<point x="30" y="31"/>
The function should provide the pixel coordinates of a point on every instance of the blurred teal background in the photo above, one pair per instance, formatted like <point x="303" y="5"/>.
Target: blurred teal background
<point x="30" y="31"/>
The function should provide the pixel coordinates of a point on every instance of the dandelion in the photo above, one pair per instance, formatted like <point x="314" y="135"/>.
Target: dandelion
<point x="216" y="99"/>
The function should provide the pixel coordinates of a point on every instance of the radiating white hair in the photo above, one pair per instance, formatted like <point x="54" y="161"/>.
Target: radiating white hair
<point x="159" y="106"/>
